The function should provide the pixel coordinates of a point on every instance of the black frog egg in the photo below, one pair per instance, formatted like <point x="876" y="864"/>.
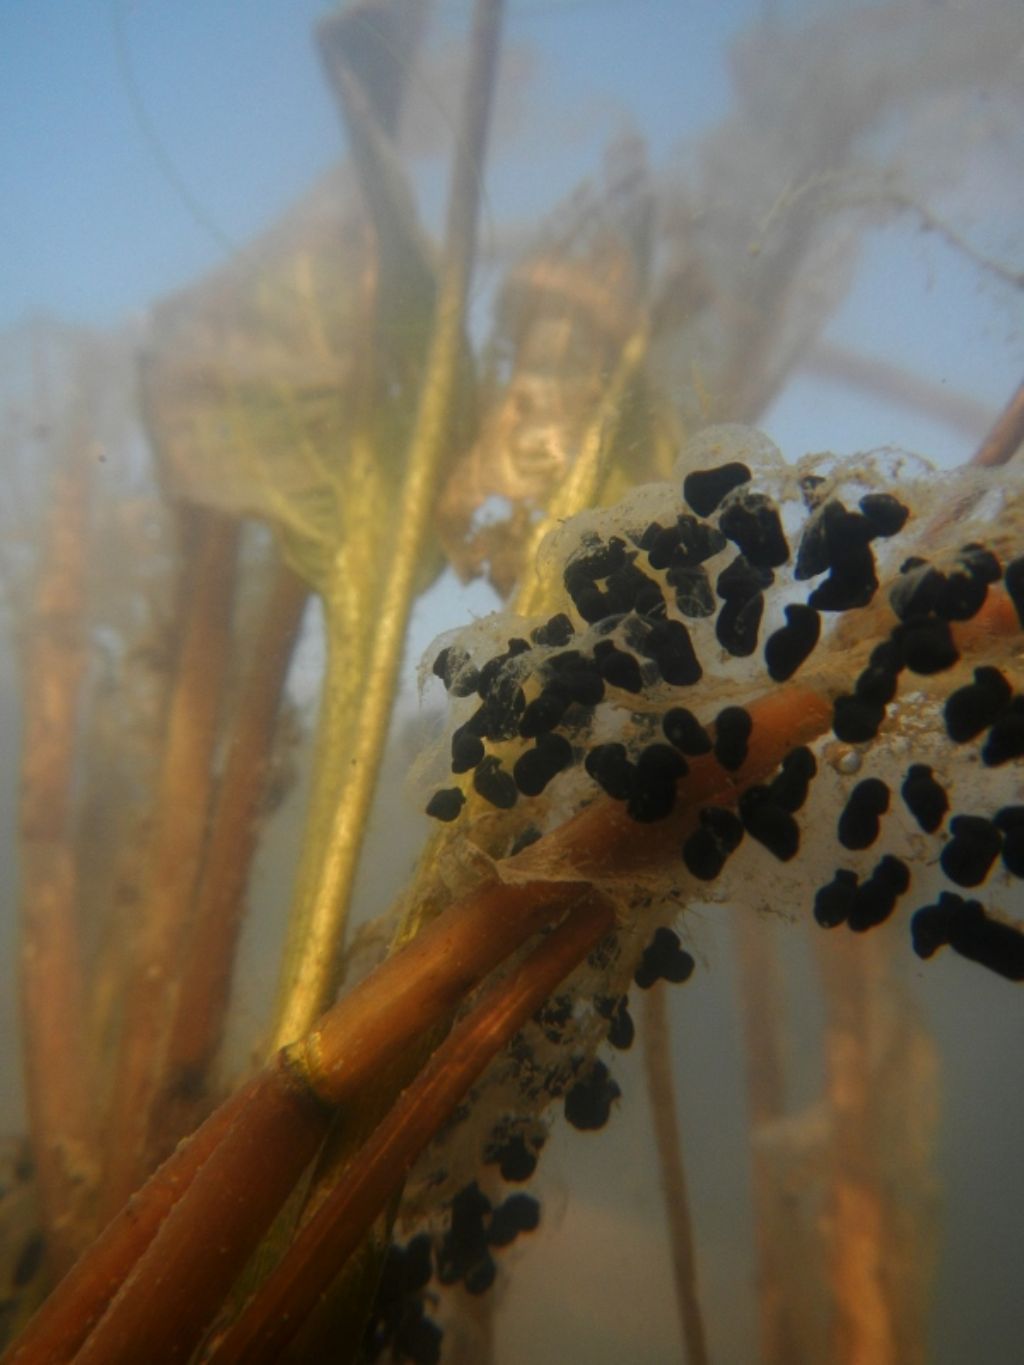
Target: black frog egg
<point x="588" y="1102"/>
<point x="733" y="726"/>
<point x="705" y="489"/>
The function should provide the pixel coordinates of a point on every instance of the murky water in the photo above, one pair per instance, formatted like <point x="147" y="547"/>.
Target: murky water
<point x="217" y="335"/>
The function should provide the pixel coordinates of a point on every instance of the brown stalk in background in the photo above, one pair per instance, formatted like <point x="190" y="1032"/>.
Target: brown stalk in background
<point x="209" y="543"/>
<point x="780" y="1338"/>
<point x="863" y="1324"/>
<point x="657" y="1045"/>
<point x="894" y="384"/>
<point x="50" y="951"/>
<point x="208" y="958"/>
<point x="1006" y="436"/>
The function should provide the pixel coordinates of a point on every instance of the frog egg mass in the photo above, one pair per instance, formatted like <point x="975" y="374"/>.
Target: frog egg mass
<point x="687" y="603"/>
<point x="760" y="685"/>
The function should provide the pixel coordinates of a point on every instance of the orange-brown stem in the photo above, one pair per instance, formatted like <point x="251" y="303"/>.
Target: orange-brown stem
<point x="169" y="1298"/>
<point x="423" y="984"/>
<point x="762" y="999"/>
<point x="181" y="1279"/>
<point x="209" y="953"/>
<point x="179" y="824"/>
<point x="439" y="967"/>
<point x="863" y="1328"/>
<point x="65" y="1320"/>
<point x="324" y="1243"/>
<point x="50" y="963"/>
<point x="419" y="986"/>
<point x="1006" y="436"/>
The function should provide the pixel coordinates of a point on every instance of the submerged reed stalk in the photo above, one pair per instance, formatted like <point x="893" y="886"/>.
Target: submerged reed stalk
<point x="209" y="953"/>
<point x="315" y="936"/>
<point x="657" y="1044"/>
<point x="51" y="954"/>
<point x="184" y="789"/>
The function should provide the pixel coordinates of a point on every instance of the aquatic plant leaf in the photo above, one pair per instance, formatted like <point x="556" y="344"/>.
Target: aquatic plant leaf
<point x="565" y="316"/>
<point x="246" y="373"/>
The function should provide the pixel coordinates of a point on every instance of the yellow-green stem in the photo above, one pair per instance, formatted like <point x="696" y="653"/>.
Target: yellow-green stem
<point x="582" y="486"/>
<point x="315" y="933"/>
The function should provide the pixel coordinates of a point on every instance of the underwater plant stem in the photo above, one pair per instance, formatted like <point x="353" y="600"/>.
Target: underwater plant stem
<point x="209" y="554"/>
<point x="422" y="985"/>
<point x="762" y="997"/>
<point x="1006" y="437"/>
<point x="314" y="937"/>
<point x="58" y="1329"/>
<point x="220" y="902"/>
<point x="657" y="1051"/>
<point x="164" y="1305"/>
<point x="894" y="384"/>
<point x="324" y="1243"/>
<point x="581" y="487"/>
<point x="50" y="968"/>
<point x="254" y="1147"/>
<point x="862" y="1327"/>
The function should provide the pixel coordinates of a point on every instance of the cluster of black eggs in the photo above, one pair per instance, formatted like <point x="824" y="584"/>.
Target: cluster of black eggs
<point x="664" y="959"/>
<point x="476" y="1229"/>
<point x="463" y="1255"/>
<point x="627" y="588"/>
<point x="589" y="1091"/>
<point x="927" y="602"/>
<point x="618" y="586"/>
<point x="964" y="926"/>
<point x="610" y="588"/>
<point x="967" y="857"/>
<point x="585" y="1085"/>
<point x="589" y="1098"/>
<point x="860" y="904"/>
<point x="514" y="1156"/>
<point x="621" y="1029"/>
<point x="399" y="1319"/>
<point x="985" y="710"/>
